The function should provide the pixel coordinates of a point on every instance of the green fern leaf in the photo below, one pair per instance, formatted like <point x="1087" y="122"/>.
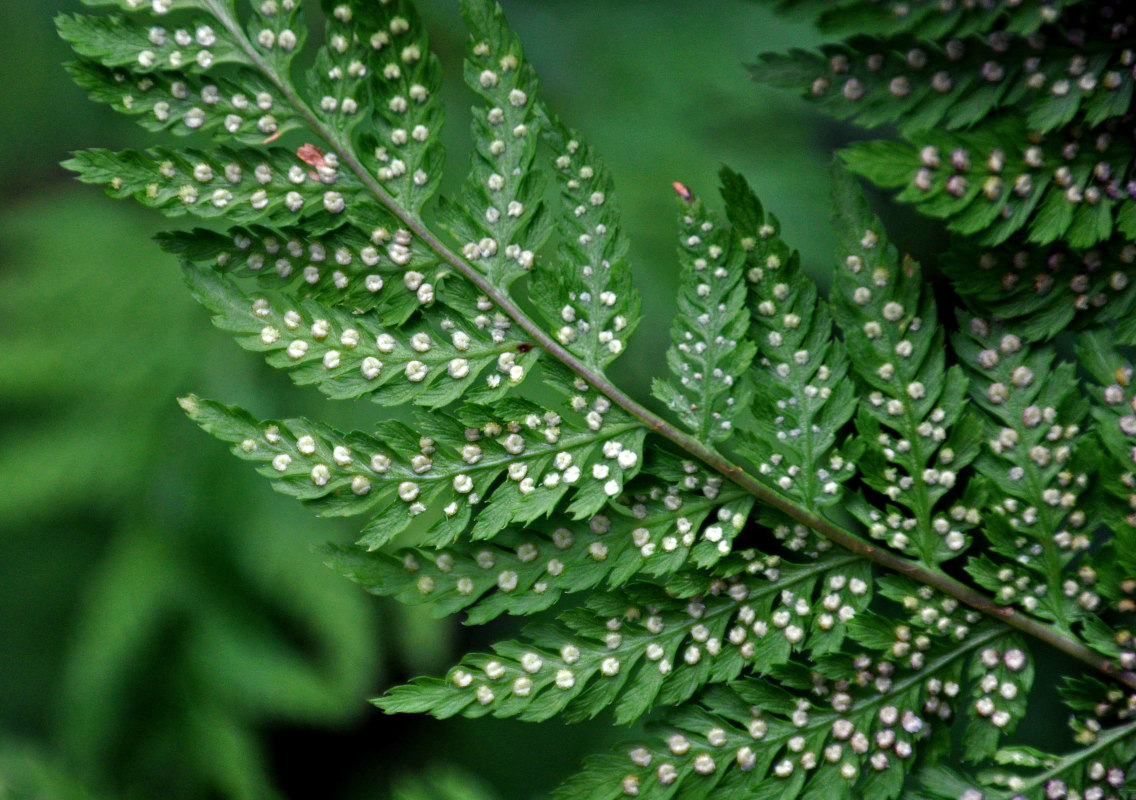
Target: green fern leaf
<point x="906" y="82"/>
<point x="1037" y="518"/>
<point x="500" y="219"/>
<point x="1041" y="291"/>
<point x="431" y="361"/>
<point x="756" y="616"/>
<point x="525" y="571"/>
<point x="802" y="397"/>
<point x="756" y="738"/>
<point x="451" y="462"/>
<point x="1113" y="568"/>
<point x="912" y="417"/>
<point x="246" y="109"/>
<point x="243" y="186"/>
<point x="709" y="353"/>
<point x="603" y="307"/>
<point x="1053" y="190"/>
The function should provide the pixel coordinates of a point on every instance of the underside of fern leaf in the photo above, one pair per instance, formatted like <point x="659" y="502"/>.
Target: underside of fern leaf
<point x="857" y="529"/>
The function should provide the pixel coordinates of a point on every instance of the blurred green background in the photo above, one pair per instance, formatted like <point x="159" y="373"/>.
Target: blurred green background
<point x="165" y="629"/>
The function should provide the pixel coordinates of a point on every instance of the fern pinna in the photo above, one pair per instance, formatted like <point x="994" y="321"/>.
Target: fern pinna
<point x="831" y="575"/>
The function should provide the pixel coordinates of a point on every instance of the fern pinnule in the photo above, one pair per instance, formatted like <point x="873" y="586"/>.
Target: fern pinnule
<point x="1039" y="512"/>
<point x="1040" y="291"/>
<point x="802" y="397"/>
<point x="752" y="618"/>
<point x="709" y="353"/>
<point x="651" y="530"/>
<point x="911" y="415"/>
<point x="603" y="307"/>
<point x="430" y="361"/>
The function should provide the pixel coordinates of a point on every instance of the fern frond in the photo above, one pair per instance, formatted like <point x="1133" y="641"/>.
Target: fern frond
<point x="709" y="352"/>
<point x="919" y="86"/>
<point x="912" y="420"/>
<point x="757" y="739"/>
<point x="451" y="462"/>
<point x="651" y="530"/>
<point x="1041" y="291"/>
<point x="802" y="395"/>
<point x="1068" y="187"/>
<point x="754" y="617"/>
<point x="1036" y="519"/>
<point x="786" y="675"/>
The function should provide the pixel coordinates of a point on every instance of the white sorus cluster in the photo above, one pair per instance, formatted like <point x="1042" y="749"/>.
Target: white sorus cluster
<point x="994" y="692"/>
<point x="400" y="71"/>
<point x="594" y="412"/>
<point x="722" y="531"/>
<point x="504" y="569"/>
<point x="270" y="8"/>
<point x="955" y="172"/>
<point x="1042" y="269"/>
<point x="326" y="463"/>
<point x="180" y="49"/>
<point x="222" y="184"/>
<point x="591" y="315"/>
<point x="897" y="528"/>
<point x="571" y="545"/>
<point x="497" y="324"/>
<point x="1081" y="588"/>
<point x="801" y="539"/>
<point x="567" y="467"/>
<point x="198" y="105"/>
<point x="349" y="344"/>
<point x="1104" y="779"/>
<point x="784" y="472"/>
<point x="889" y="734"/>
<point x="934" y="613"/>
<point x="348" y="65"/>
<point x="337" y="265"/>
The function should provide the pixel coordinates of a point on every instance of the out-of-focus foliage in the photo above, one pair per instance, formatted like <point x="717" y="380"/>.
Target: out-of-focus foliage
<point x="179" y="610"/>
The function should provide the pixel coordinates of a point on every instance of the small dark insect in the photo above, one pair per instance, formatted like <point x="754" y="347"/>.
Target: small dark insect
<point x="524" y="347"/>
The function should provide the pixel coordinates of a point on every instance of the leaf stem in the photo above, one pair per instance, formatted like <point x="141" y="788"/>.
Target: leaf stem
<point x="846" y="539"/>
